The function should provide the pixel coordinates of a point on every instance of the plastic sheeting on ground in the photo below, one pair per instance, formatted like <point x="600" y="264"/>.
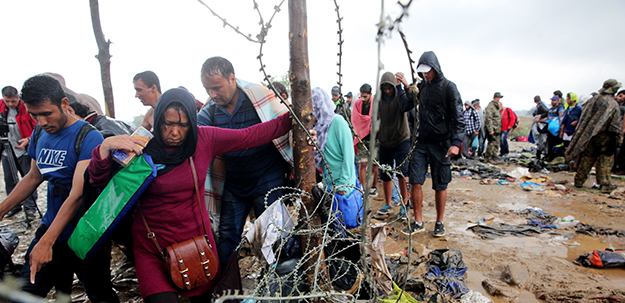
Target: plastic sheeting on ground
<point x="379" y="269"/>
<point x="268" y="228"/>
<point x="603" y="259"/>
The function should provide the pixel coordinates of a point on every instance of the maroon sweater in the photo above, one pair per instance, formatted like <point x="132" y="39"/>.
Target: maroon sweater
<point x="170" y="205"/>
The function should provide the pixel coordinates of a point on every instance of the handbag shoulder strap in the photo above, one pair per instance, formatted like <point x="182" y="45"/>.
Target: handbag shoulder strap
<point x="152" y="235"/>
<point x="197" y="191"/>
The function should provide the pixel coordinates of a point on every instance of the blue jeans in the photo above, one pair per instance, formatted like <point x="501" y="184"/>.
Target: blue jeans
<point x="503" y="143"/>
<point x="234" y="211"/>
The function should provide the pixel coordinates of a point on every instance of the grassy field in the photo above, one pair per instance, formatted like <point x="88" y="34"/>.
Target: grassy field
<point x="525" y="125"/>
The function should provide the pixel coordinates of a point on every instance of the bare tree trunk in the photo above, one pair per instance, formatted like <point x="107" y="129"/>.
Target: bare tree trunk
<point x="104" y="57"/>
<point x="303" y="153"/>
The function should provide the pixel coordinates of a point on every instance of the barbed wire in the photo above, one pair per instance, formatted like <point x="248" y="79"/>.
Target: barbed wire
<point x="339" y="32"/>
<point x="266" y="288"/>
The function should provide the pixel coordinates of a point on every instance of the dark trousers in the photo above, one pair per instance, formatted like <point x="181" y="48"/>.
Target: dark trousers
<point x="234" y="211"/>
<point x="553" y="141"/>
<point x="24" y="163"/>
<point x="466" y="146"/>
<point x="94" y="272"/>
<point x="481" y="143"/>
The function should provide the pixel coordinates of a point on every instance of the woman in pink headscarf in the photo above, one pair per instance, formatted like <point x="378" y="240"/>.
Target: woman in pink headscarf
<point x="361" y="120"/>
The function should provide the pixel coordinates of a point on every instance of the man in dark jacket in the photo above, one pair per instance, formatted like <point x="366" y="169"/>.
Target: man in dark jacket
<point x="394" y="136"/>
<point x="441" y="129"/>
<point x="539" y="128"/>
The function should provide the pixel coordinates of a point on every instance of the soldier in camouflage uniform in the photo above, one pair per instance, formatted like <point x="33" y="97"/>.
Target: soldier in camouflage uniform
<point x="493" y="128"/>
<point x="597" y="134"/>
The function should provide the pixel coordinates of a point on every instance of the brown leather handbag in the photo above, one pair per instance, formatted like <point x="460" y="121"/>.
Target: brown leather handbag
<point x="190" y="263"/>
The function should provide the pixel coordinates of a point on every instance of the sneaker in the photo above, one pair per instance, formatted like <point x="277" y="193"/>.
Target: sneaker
<point x="413" y="228"/>
<point x="373" y="191"/>
<point x="13" y="212"/>
<point x="384" y="210"/>
<point x="439" y="229"/>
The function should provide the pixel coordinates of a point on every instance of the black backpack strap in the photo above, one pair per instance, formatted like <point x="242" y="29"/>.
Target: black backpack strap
<point x="82" y="134"/>
<point x="36" y="133"/>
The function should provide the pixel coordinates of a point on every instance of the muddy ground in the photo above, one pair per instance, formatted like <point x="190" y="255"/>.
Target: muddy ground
<point x="548" y="257"/>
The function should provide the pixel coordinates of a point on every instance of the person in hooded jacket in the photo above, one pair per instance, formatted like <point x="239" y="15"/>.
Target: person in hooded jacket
<point x="394" y="136"/>
<point x="441" y="129"/>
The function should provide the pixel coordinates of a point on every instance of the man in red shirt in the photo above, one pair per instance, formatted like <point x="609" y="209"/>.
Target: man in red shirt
<point x="508" y="124"/>
<point x="21" y="126"/>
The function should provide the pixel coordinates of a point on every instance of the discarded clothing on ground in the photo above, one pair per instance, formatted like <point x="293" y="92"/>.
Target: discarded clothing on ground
<point x="587" y="229"/>
<point x="536" y="216"/>
<point x="501" y="229"/>
<point x="439" y="277"/>
<point x="603" y="259"/>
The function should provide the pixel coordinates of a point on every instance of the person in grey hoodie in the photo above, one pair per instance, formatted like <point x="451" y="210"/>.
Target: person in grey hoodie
<point x="441" y="129"/>
<point x="394" y="136"/>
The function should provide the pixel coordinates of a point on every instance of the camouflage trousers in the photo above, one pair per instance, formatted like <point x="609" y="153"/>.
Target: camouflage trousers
<point x="492" y="150"/>
<point x="597" y="153"/>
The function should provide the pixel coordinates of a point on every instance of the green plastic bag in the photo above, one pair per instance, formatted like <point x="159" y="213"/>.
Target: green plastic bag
<point x="114" y="202"/>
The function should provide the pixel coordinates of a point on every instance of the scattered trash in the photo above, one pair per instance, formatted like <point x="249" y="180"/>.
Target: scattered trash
<point x="379" y="270"/>
<point x="519" y="172"/>
<point x="602" y="259"/>
<point x="394" y="296"/>
<point x="531" y="186"/>
<point x="475" y="297"/>
<point x="559" y="187"/>
<point x="538" y="180"/>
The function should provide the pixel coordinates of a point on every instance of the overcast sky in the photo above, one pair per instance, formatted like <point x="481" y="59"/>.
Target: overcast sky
<point x="519" y="48"/>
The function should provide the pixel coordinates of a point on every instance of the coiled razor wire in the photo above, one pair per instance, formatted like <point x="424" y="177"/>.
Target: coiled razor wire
<point x="266" y="289"/>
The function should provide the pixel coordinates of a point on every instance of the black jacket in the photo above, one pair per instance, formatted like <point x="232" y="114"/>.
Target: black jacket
<point x="110" y="127"/>
<point x="440" y="106"/>
<point x="541" y="110"/>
